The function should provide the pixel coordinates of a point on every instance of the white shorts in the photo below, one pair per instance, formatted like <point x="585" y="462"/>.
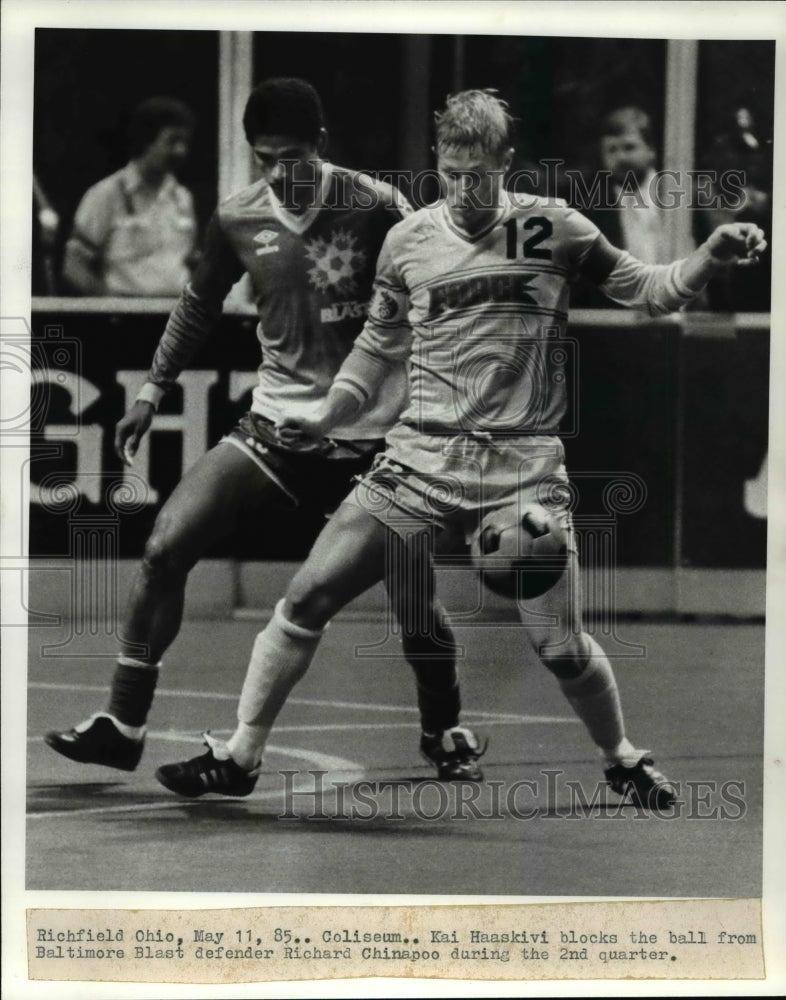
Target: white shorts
<point x="453" y="481"/>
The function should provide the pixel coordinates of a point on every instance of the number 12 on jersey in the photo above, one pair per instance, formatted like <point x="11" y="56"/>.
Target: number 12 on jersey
<point x="539" y="229"/>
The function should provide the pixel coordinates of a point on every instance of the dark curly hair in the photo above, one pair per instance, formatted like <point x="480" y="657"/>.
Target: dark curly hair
<point x="283" y="106"/>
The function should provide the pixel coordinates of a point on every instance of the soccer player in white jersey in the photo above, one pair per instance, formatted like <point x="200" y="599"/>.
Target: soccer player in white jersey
<point x="308" y="234"/>
<point x="477" y="277"/>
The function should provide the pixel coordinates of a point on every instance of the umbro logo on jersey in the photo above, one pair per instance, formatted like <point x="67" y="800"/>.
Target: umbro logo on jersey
<point x="266" y="237"/>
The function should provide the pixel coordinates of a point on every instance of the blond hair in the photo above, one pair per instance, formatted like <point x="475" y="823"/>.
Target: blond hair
<point x="474" y="118"/>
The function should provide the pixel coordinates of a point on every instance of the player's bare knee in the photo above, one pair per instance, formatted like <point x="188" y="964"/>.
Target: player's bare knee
<point x="163" y="558"/>
<point x="309" y="603"/>
<point x="565" y="657"/>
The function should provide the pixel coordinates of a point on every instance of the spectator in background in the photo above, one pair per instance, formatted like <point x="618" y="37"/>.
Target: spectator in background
<point x="628" y="213"/>
<point x="633" y="221"/>
<point x="134" y="232"/>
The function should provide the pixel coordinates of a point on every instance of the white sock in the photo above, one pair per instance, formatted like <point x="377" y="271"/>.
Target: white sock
<point x="281" y="655"/>
<point x="624" y="753"/>
<point x="594" y="697"/>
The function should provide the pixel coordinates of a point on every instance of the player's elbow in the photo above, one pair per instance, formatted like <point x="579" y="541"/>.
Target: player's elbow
<point x="668" y="301"/>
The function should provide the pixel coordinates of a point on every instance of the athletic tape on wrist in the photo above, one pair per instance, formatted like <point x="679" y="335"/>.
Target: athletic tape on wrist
<point x="150" y="393"/>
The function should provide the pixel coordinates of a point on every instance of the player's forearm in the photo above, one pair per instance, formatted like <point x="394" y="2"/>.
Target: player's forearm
<point x="354" y="386"/>
<point x="340" y="407"/>
<point x="672" y="286"/>
<point x="698" y="268"/>
<point x="362" y="373"/>
<point x="665" y="288"/>
<point x="659" y="288"/>
<point x="188" y="327"/>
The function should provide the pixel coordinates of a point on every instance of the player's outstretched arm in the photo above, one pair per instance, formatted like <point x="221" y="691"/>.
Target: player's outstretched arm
<point x="663" y="288"/>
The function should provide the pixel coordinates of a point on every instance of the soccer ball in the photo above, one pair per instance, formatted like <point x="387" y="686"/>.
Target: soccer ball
<point x="521" y="559"/>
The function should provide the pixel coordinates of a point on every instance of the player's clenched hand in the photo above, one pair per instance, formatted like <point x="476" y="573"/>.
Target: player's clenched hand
<point x="131" y="429"/>
<point x="292" y="430"/>
<point x="740" y="243"/>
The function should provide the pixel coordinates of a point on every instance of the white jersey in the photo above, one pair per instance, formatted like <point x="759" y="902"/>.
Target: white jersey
<point x="482" y="318"/>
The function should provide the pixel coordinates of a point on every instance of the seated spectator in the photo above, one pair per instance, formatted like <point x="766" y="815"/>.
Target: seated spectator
<point x="134" y="232"/>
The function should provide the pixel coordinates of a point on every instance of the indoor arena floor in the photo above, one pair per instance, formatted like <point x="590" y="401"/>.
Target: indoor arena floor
<point x="695" y="699"/>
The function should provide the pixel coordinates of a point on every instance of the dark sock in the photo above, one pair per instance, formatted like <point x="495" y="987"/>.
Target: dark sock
<point x="432" y="656"/>
<point x="132" y="693"/>
<point x="439" y="696"/>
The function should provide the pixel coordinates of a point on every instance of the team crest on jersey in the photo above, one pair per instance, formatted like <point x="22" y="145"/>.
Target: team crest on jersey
<point x="266" y="237"/>
<point x="336" y="263"/>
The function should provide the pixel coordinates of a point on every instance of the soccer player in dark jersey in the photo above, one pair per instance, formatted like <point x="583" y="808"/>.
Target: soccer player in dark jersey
<point x="473" y="292"/>
<point x="308" y="234"/>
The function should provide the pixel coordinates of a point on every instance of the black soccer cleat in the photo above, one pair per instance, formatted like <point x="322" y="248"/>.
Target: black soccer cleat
<point x="642" y="784"/>
<point x="208" y="773"/>
<point x="458" y="760"/>
<point x="98" y="741"/>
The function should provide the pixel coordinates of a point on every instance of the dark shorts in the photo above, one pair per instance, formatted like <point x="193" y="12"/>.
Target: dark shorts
<point x="318" y="476"/>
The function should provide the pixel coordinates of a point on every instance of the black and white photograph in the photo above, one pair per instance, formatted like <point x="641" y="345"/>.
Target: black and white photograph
<point x="392" y="491"/>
